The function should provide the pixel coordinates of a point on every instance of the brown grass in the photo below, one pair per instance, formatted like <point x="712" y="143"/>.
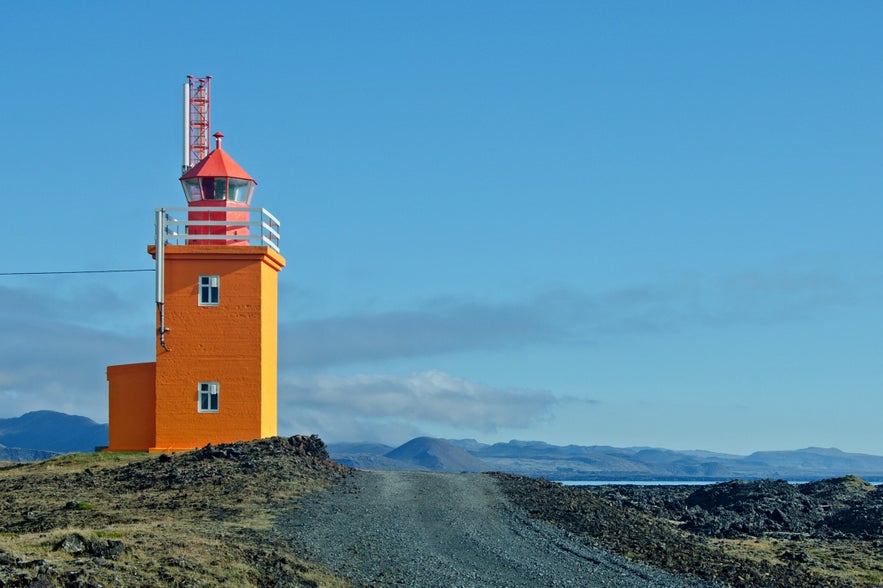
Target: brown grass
<point x="858" y="562"/>
<point x="212" y="528"/>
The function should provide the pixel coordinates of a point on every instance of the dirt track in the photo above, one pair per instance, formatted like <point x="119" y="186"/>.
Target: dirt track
<point x="386" y="528"/>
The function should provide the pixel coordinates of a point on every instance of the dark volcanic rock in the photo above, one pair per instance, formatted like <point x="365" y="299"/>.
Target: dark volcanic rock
<point x="279" y="454"/>
<point x="76" y="544"/>
<point x="647" y="522"/>
<point x="861" y="517"/>
<point x="73" y="544"/>
<point x="591" y="513"/>
<point x="737" y="508"/>
<point x="840" y="507"/>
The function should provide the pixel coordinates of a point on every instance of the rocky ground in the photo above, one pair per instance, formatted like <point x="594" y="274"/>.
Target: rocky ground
<point x="219" y="515"/>
<point x="200" y="518"/>
<point x="435" y="530"/>
<point x="765" y="533"/>
<point x="845" y="508"/>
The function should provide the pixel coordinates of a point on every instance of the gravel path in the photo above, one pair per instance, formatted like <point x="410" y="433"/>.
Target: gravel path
<point x="422" y="529"/>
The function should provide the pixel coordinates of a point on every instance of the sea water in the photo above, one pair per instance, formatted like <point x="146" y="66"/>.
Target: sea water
<point x="674" y="482"/>
<point x="638" y="482"/>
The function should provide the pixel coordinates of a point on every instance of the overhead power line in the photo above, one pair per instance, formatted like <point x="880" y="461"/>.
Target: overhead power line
<point x="107" y="271"/>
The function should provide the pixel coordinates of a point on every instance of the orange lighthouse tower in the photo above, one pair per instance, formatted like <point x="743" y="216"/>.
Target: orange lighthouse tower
<point x="217" y="262"/>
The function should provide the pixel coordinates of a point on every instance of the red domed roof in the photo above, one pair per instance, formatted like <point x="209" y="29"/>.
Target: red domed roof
<point x="217" y="165"/>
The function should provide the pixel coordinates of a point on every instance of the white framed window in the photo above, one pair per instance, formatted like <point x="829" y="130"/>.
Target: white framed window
<point x="209" y="290"/>
<point x="208" y="397"/>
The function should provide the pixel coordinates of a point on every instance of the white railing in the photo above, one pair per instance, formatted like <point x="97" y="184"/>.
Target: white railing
<point x="262" y="227"/>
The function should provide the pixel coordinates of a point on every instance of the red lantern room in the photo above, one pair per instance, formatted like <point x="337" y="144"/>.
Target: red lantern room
<point x="223" y="190"/>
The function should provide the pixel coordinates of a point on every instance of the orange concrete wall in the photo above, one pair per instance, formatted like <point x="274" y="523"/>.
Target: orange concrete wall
<point x="131" y="406"/>
<point x="231" y="344"/>
<point x="269" y="346"/>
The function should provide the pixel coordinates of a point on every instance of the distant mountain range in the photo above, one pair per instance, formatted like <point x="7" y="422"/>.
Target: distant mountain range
<point x="43" y="434"/>
<point x="598" y="462"/>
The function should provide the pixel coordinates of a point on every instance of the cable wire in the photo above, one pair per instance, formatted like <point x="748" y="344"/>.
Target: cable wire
<point x="108" y="271"/>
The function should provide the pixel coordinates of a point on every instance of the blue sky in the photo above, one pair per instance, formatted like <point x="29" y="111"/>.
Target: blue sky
<point x="620" y="223"/>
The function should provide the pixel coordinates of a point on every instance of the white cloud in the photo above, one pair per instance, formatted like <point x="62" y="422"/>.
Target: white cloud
<point x="58" y="340"/>
<point x="56" y="346"/>
<point x="335" y="426"/>
<point x="565" y="317"/>
<point x="434" y="327"/>
<point x="407" y="404"/>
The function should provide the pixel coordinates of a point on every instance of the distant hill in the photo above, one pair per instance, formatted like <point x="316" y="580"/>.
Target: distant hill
<point x="422" y="453"/>
<point x="367" y="456"/>
<point x="52" y="431"/>
<point x="41" y="434"/>
<point x="19" y="455"/>
<point x="802" y="462"/>
<point x="600" y="462"/>
<point x="437" y="455"/>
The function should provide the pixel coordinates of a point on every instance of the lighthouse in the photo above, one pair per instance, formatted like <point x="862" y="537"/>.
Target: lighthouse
<point x="214" y="377"/>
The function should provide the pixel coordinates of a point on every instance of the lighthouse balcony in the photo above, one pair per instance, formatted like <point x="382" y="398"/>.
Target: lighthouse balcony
<point x="217" y="225"/>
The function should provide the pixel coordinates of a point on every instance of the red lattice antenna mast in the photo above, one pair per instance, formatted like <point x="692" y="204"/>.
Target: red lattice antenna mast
<point x="197" y="119"/>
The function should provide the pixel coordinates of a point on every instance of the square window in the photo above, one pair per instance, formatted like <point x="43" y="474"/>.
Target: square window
<point x="209" y="290"/>
<point x="208" y="397"/>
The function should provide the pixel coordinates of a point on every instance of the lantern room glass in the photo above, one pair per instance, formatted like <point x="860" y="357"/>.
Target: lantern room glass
<point x="191" y="189"/>
<point x="213" y="188"/>
<point x="240" y="190"/>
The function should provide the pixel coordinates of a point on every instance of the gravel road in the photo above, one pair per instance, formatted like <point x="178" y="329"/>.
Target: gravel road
<point x="425" y="529"/>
